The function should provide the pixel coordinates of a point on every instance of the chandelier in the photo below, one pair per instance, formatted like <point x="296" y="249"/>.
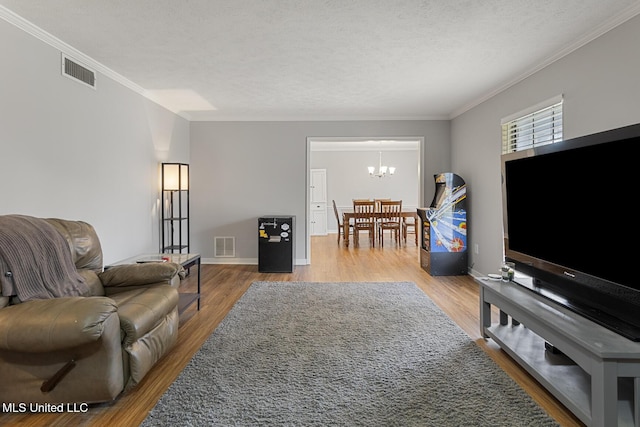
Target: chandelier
<point x="382" y="170"/>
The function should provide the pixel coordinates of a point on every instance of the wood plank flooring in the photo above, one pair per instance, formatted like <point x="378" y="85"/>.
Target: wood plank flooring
<point x="223" y="285"/>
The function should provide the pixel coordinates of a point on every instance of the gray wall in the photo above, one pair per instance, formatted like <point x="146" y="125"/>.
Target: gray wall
<point x="601" y="87"/>
<point x="243" y="170"/>
<point x="72" y="152"/>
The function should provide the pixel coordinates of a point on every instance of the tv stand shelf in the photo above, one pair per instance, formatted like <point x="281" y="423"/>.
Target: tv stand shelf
<point x="597" y="376"/>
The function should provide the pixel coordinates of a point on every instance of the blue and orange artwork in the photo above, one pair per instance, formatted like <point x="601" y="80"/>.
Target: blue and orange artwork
<point x="449" y="222"/>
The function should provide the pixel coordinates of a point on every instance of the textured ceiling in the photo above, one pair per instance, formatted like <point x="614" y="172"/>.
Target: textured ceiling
<point x="323" y="59"/>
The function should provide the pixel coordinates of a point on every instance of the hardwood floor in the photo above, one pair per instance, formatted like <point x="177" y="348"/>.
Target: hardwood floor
<point x="223" y="285"/>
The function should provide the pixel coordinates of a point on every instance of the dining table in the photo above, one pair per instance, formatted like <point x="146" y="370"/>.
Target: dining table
<point x="348" y="216"/>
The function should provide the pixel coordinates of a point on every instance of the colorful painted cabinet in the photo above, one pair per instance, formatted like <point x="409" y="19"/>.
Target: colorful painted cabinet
<point x="443" y="250"/>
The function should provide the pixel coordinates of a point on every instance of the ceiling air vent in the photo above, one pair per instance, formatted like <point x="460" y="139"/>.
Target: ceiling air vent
<point x="225" y="247"/>
<point x="77" y="72"/>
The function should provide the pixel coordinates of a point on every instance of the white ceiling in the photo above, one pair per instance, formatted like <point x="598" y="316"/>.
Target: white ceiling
<point x="318" y="59"/>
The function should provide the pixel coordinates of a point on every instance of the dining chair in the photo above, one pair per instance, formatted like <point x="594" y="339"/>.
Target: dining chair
<point x="378" y="209"/>
<point x="410" y="222"/>
<point x="390" y="218"/>
<point x="364" y="220"/>
<point x="377" y="201"/>
<point x="340" y="223"/>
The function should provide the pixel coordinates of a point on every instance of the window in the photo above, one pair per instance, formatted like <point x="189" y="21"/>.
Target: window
<point x="539" y="125"/>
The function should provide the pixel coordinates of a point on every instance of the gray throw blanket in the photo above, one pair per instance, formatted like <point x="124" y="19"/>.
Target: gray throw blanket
<point x="35" y="260"/>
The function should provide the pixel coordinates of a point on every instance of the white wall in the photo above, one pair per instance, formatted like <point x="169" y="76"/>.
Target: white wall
<point x="348" y="178"/>
<point x="601" y="87"/>
<point x="72" y="152"/>
<point x="243" y="170"/>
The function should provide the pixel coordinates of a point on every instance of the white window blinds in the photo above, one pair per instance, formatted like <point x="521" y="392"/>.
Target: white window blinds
<point x="528" y="130"/>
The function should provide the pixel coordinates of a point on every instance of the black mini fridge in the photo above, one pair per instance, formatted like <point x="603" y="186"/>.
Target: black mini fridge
<point x="276" y="244"/>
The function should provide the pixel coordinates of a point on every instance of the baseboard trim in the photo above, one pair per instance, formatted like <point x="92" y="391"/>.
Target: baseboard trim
<point x="244" y="261"/>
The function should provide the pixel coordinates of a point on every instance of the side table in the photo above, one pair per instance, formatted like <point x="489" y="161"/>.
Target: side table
<point x="185" y="260"/>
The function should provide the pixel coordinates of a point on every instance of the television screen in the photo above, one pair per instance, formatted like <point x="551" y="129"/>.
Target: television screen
<point x="575" y="208"/>
<point x="569" y="222"/>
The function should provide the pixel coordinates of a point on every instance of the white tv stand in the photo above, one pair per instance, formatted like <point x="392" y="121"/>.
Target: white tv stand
<point x="598" y="379"/>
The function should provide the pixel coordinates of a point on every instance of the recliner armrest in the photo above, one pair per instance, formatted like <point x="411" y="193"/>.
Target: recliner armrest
<point x="140" y="274"/>
<point x="40" y="326"/>
<point x="141" y="309"/>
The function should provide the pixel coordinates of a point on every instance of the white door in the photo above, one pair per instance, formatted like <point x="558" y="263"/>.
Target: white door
<point x="318" y="186"/>
<point x="318" y="198"/>
<point x="319" y="220"/>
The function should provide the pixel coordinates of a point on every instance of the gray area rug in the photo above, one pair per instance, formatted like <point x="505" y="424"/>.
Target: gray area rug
<point x="347" y="354"/>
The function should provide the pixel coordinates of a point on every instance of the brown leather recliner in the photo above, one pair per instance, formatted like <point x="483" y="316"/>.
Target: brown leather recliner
<point x="88" y="348"/>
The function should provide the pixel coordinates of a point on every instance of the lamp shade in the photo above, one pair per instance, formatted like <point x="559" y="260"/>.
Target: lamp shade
<point x="175" y="176"/>
<point x="382" y="170"/>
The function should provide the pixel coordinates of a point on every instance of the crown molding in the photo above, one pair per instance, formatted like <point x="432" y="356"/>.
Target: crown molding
<point x="56" y="43"/>
<point x="603" y="28"/>
<point x="192" y="116"/>
<point x="214" y="116"/>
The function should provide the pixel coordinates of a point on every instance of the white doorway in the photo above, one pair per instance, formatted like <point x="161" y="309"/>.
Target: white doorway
<point x="346" y="161"/>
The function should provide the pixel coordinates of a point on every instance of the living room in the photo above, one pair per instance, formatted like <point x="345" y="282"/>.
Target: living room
<point x="76" y="153"/>
<point x="94" y="155"/>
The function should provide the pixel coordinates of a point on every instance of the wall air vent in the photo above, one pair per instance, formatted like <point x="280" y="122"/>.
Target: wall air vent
<point x="224" y="247"/>
<point x="77" y="72"/>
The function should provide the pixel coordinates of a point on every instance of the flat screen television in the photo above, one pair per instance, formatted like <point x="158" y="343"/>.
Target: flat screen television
<point x="569" y="212"/>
